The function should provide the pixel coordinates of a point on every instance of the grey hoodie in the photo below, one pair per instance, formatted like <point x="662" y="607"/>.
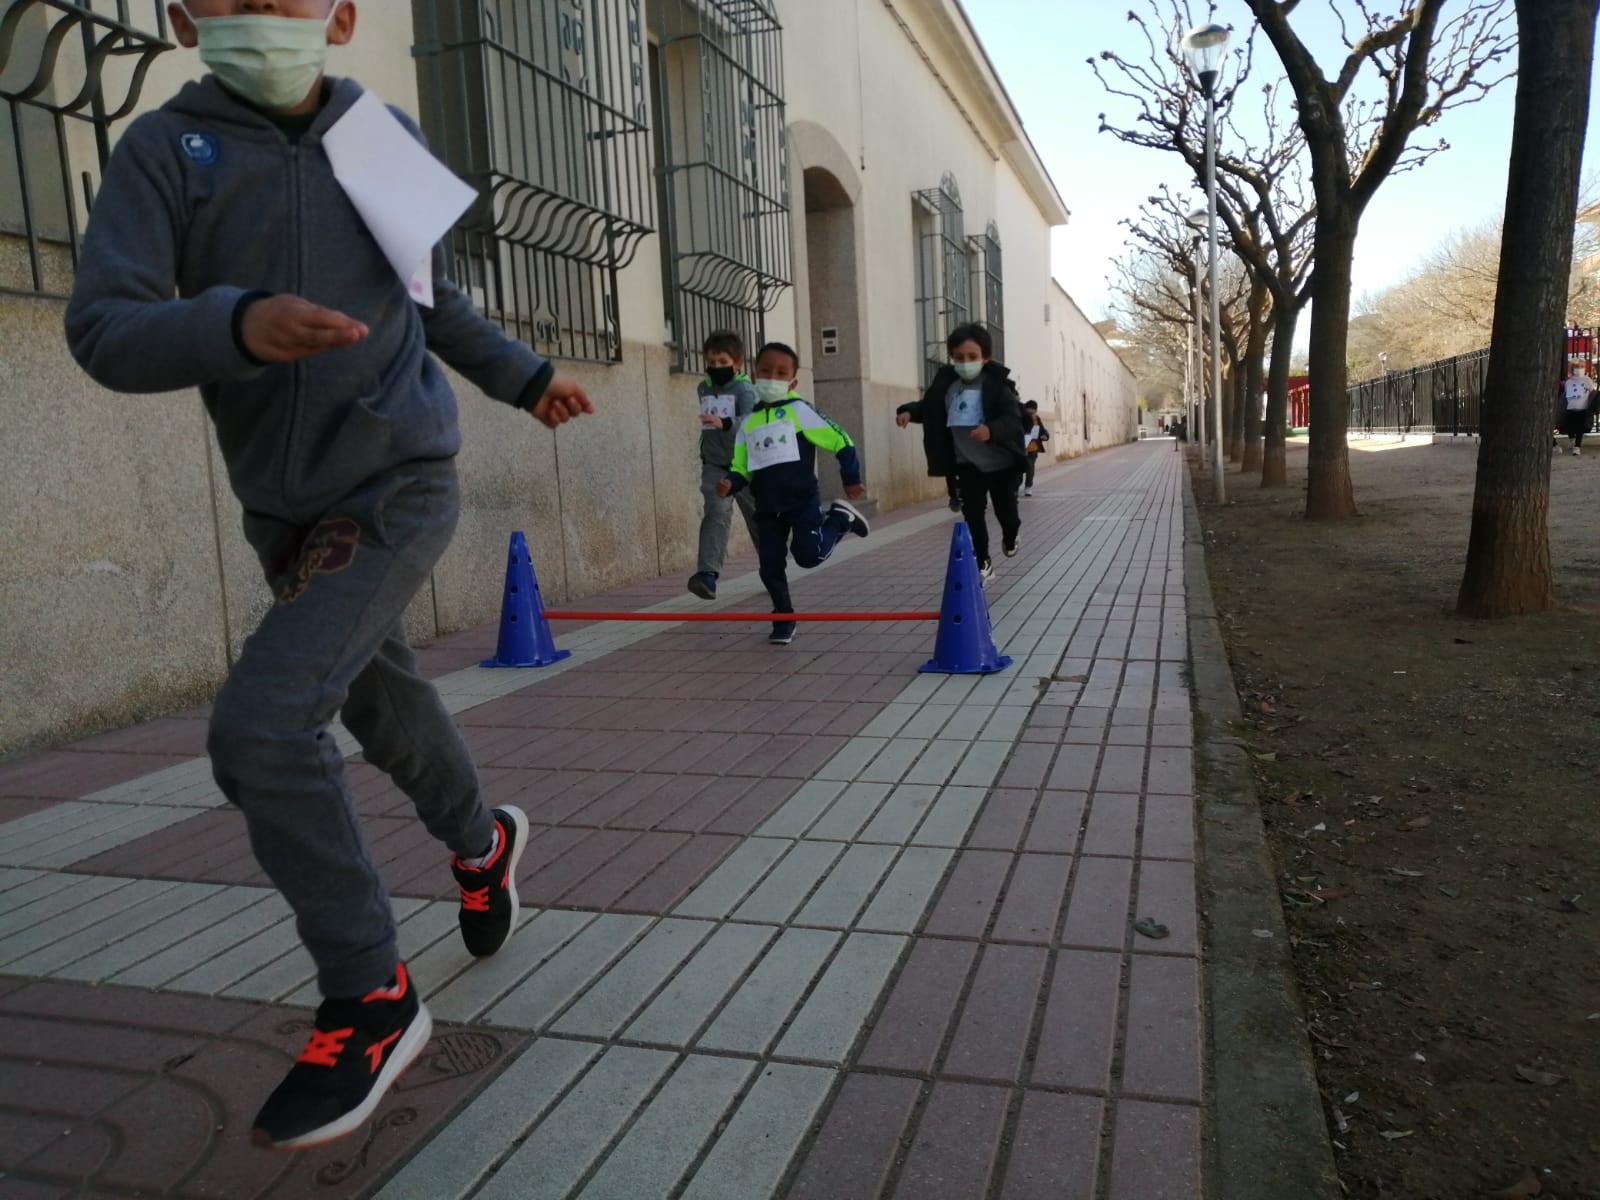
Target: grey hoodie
<point x="205" y="203"/>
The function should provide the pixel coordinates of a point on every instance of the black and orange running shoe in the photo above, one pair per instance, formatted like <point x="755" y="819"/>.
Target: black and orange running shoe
<point x="358" y="1047"/>
<point x="489" y="893"/>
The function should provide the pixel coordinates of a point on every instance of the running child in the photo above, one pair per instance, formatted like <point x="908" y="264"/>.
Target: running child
<point x="775" y="456"/>
<point x="727" y="397"/>
<point x="972" y="425"/>
<point x="224" y="255"/>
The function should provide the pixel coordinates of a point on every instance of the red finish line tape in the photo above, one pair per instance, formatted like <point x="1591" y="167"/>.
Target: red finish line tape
<point x="741" y="616"/>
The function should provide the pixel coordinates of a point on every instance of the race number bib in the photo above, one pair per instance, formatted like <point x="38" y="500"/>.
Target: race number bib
<point x="718" y="406"/>
<point x="770" y="445"/>
<point x="966" y="409"/>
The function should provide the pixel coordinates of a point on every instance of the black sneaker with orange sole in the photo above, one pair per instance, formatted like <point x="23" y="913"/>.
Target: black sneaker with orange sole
<point x="358" y="1048"/>
<point x="489" y="893"/>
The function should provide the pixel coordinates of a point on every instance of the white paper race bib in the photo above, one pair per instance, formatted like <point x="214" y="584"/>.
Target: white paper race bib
<point x="967" y="408"/>
<point x="772" y="444"/>
<point x="718" y="406"/>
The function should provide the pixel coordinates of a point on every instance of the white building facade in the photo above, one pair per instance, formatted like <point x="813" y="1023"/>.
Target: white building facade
<point x="847" y="176"/>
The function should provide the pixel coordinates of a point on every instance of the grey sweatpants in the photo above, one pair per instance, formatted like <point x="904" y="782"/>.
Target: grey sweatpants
<point x="718" y="518"/>
<point x="333" y="645"/>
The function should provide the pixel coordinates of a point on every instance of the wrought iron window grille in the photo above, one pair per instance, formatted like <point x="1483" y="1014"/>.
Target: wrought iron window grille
<point x="722" y="169"/>
<point x="942" y="300"/>
<point x="68" y="71"/>
<point x="988" y="283"/>
<point x="544" y="108"/>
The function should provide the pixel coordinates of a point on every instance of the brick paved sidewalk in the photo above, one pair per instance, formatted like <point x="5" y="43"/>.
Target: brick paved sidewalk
<point x="802" y="922"/>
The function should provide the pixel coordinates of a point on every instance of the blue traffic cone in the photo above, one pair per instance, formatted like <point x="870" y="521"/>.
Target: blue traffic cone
<point x="965" y="643"/>
<point x="525" y="639"/>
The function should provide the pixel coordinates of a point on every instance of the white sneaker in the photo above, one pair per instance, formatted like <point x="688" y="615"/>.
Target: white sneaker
<point x="1027" y="491"/>
<point x="1577" y="452"/>
<point x="985" y="572"/>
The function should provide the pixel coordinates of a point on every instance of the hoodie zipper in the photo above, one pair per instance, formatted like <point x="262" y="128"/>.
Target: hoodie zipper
<point x="296" y="287"/>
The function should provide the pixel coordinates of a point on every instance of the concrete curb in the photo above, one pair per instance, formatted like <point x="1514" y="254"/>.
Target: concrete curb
<point x="1267" y="1136"/>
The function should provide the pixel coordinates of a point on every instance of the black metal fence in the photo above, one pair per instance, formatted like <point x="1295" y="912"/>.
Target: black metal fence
<point x="1439" y="397"/>
<point x="1444" y="397"/>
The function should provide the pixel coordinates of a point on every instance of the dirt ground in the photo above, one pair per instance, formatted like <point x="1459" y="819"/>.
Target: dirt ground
<point x="1431" y="788"/>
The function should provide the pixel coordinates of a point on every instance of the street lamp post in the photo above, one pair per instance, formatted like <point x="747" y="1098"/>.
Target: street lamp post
<point x="1198" y="327"/>
<point x="1383" y="371"/>
<point x="1203" y="48"/>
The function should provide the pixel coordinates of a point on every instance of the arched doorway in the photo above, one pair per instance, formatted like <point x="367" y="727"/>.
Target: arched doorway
<point x="833" y="292"/>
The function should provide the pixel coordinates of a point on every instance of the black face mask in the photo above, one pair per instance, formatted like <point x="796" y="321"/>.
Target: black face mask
<point x="721" y="376"/>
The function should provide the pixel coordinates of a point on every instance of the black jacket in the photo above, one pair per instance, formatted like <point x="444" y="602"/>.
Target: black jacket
<point x="1002" y="413"/>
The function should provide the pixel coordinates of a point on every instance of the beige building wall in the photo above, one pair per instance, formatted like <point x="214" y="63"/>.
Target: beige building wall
<point x="126" y="588"/>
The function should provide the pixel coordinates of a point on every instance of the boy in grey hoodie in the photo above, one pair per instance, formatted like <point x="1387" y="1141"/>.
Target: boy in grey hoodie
<point x="727" y="397"/>
<point x="224" y="255"/>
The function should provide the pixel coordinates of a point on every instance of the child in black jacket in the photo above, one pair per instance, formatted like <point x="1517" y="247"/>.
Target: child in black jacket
<point x="972" y="428"/>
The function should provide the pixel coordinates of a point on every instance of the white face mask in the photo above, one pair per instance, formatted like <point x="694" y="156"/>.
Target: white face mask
<point x="272" y="62"/>
<point x="968" y="370"/>
<point x="772" y="391"/>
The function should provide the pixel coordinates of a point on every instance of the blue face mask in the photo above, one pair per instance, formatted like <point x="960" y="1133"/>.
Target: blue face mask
<point x="271" y="62"/>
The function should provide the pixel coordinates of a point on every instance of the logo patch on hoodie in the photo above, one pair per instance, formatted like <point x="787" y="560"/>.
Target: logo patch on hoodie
<point x="200" y="147"/>
<point x="330" y="547"/>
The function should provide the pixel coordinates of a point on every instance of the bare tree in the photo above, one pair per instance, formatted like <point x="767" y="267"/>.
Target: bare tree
<point x="1262" y="193"/>
<point x="1508" y="556"/>
<point x="1355" y="142"/>
<point x="1446" y="306"/>
<point x="1153" y="286"/>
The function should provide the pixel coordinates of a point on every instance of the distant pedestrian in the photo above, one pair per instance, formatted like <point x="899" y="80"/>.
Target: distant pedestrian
<point x="1035" y="436"/>
<point x="1578" y="395"/>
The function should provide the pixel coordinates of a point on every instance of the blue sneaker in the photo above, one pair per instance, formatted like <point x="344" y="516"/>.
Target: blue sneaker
<point x="782" y="632"/>
<point x="704" y="584"/>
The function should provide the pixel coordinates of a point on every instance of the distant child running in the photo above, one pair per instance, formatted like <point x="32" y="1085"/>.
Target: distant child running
<point x="1035" y="438"/>
<point x="972" y="426"/>
<point x="727" y="397"/>
<point x="225" y="255"/>
<point x="775" y="456"/>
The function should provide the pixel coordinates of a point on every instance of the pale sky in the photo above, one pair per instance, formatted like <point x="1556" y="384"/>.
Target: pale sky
<point x="1039" y="48"/>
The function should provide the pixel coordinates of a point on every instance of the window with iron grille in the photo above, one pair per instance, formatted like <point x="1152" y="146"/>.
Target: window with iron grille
<point x="544" y="109"/>
<point x="988" y="286"/>
<point x="942" y="297"/>
<point x="722" y="169"/>
<point x="67" y="72"/>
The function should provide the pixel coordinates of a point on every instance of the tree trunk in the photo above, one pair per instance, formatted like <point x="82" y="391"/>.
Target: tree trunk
<point x="1227" y="401"/>
<point x="1274" y="464"/>
<point x="1261" y="319"/>
<point x="1508" y="555"/>
<point x="1237" y="396"/>
<point x="1329" y="495"/>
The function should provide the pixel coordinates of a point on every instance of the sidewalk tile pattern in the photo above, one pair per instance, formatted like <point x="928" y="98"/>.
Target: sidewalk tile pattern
<point x="800" y="921"/>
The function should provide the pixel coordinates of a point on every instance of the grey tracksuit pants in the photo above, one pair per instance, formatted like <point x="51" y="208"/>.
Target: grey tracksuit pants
<point x="333" y="645"/>
<point x="718" y="518"/>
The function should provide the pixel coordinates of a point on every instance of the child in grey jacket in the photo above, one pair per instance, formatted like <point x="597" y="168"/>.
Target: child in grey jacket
<point x="727" y="397"/>
<point x="224" y="255"/>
